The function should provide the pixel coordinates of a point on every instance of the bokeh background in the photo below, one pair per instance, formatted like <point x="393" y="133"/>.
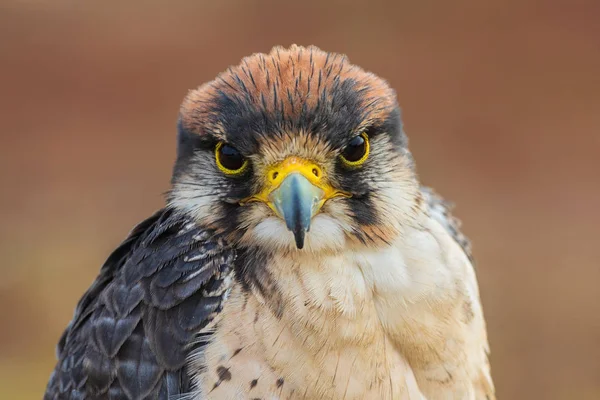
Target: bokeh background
<point x="501" y="100"/>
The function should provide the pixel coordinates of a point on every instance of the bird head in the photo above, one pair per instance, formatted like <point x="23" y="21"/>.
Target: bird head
<point x="295" y="149"/>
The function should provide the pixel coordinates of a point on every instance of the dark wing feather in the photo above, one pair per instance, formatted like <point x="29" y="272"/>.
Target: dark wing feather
<point x="135" y="326"/>
<point x="440" y="210"/>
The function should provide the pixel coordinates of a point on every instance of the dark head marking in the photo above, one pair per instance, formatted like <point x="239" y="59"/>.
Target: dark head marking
<point x="287" y="90"/>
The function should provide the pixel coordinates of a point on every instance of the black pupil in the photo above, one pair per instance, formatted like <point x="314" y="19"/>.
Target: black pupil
<point x="230" y="158"/>
<point x="355" y="149"/>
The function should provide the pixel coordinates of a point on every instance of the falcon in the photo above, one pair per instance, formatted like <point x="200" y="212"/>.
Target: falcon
<point x="297" y="257"/>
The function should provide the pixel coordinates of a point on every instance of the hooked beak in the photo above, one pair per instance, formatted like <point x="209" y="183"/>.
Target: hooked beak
<point x="297" y="201"/>
<point x="296" y="190"/>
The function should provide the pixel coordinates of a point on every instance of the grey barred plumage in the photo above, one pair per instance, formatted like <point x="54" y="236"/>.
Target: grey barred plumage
<point x="135" y="327"/>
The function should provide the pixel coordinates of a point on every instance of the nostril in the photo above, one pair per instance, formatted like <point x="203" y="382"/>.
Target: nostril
<point x="275" y="175"/>
<point x="315" y="172"/>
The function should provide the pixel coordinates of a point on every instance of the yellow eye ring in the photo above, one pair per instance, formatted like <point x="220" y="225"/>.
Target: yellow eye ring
<point x="356" y="152"/>
<point x="229" y="160"/>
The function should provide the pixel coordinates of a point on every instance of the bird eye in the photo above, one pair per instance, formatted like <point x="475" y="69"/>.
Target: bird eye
<point x="229" y="159"/>
<point x="356" y="152"/>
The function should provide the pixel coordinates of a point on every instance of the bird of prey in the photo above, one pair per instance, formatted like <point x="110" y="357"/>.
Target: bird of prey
<point x="297" y="257"/>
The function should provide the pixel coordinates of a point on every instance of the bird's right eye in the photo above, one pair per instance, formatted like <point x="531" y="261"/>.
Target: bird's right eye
<point x="229" y="160"/>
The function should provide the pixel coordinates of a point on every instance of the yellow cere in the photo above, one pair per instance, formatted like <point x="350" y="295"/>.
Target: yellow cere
<point x="276" y="174"/>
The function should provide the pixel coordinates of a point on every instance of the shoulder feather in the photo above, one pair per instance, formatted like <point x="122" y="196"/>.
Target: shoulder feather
<point x="136" y="325"/>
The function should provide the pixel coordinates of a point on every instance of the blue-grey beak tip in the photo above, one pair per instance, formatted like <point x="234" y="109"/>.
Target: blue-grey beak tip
<point x="295" y="200"/>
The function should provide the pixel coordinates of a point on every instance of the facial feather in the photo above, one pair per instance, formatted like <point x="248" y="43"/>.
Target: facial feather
<point x="304" y="103"/>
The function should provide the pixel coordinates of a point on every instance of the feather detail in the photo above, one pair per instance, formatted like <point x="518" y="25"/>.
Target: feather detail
<point x="135" y="327"/>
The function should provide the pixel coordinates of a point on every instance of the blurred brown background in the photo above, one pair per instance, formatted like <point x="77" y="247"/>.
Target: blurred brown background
<point x="501" y="100"/>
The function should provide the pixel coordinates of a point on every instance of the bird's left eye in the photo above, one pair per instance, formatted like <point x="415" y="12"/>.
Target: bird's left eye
<point x="229" y="159"/>
<point x="356" y="152"/>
